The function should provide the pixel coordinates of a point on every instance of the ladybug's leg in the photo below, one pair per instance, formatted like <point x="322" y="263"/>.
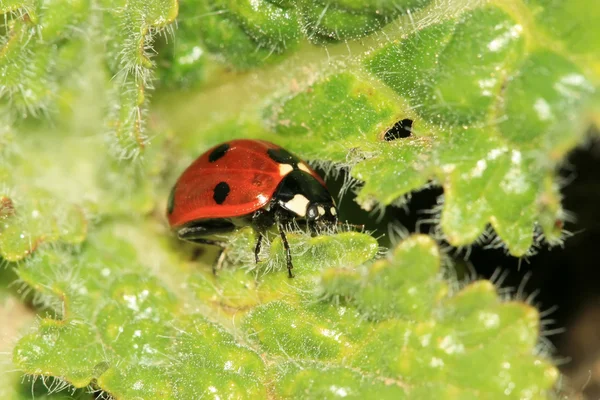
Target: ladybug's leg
<point x="288" y="253"/>
<point x="258" y="245"/>
<point x="222" y="252"/>
<point x="220" y="260"/>
<point x="197" y="232"/>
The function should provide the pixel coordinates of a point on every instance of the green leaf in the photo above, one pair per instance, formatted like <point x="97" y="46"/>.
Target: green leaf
<point x="543" y="99"/>
<point x="493" y="95"/>
<point x="248" y="34"/>
<point x="491" y="120"/>
<point x="42" y="46"/>
<point x="317" y="117"/>
<point x="22" y="233"/>
<point x="138" y="335"/>
<point x="573" y="23"/>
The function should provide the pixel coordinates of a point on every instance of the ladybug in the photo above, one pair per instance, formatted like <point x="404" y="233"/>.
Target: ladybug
<point x="248" y="182"/>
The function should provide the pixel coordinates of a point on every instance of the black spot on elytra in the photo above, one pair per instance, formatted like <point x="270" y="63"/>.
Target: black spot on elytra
<point x="401" y="129"/>
<point x="171" y="201"/>
<point x="221" y="192"/>
<point x="283" y="157"/>
<point x="218" y="152"/>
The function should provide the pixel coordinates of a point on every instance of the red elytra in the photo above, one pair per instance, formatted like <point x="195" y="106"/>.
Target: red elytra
<point x="251" y="174"/>
<point x="247" y="182"/>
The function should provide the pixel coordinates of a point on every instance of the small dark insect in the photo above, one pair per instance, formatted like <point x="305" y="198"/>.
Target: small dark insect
<point x="401" y="129"/>
<point x="248" y="182"/>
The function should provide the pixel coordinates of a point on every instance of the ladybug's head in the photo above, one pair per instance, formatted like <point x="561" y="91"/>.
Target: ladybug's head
<point x="306" y="198"/>
<point x="317" y="213"/>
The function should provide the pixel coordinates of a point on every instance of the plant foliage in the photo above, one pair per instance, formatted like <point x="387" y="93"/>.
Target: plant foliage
<point x="489" y="97"/>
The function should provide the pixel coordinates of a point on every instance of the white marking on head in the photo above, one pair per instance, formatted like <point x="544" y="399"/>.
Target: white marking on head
<point x="285" y="169"/>
<point x="304" y="167"/>
<point x="333" y="211"/>
<point x="321" y="210"/>
<point x="297" y="205"/>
